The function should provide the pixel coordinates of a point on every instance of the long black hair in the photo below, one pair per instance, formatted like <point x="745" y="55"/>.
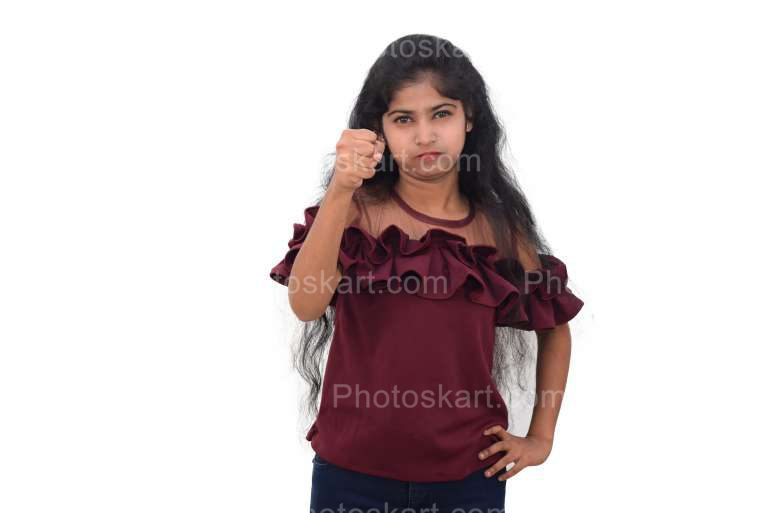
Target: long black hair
<point x="492" y="187"/>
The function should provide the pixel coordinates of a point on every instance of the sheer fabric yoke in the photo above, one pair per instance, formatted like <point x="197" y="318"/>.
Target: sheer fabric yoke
<point x="375" y="217"/>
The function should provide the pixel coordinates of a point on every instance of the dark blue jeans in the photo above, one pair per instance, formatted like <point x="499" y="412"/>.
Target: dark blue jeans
<point x="339" y="490"/>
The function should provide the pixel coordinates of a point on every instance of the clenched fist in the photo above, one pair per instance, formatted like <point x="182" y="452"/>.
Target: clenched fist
<point x="358" y="152"/>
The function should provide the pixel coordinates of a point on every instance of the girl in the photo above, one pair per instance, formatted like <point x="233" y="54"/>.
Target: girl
<point x="423" y="265"/>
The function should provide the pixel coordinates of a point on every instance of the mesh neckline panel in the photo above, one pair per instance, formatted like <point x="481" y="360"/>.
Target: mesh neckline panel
<point x="437" y="221"/>
<point x="375" y="215"/>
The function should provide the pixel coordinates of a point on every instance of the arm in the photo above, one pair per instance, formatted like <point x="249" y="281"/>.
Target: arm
<point x="554" y="347"/>
<point x="316" y="273"/>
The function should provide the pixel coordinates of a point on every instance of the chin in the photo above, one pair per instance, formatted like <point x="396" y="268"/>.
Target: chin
<point x="435" y="167"/>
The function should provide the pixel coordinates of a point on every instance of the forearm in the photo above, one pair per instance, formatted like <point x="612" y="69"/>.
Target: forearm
<point x="553" y="357"/>
<point x="315" y="275"/>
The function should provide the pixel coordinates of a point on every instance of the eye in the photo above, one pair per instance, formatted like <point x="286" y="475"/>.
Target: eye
<point x="437" y="113"/>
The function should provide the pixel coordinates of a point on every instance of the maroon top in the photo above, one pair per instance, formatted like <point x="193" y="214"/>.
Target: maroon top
<point x="408" y="390"/>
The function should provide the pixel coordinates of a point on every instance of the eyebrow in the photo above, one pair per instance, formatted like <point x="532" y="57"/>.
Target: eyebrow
<point x="402" y="111"/>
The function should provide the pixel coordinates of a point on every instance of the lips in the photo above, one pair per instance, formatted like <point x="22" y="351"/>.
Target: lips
<point x="429" y="154"/>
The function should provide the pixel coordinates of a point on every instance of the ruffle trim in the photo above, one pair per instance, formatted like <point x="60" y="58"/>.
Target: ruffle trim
<point x="447" y="261"/>
<point x="546" y="299"/>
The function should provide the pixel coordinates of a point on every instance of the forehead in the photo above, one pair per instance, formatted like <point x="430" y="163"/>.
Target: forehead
<point x="415" y="94"/>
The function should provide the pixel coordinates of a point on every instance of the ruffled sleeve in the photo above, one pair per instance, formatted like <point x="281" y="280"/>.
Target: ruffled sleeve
<point x="545" y="300"/>
<point x="281" y="271"/>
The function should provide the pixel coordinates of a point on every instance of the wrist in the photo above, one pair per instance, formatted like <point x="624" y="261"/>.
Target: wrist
<point x="547" y="438"/>
<point x="337" y="193"/>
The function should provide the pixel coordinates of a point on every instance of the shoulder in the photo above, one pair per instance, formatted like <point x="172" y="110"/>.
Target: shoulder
<point x="526" y="251"/>
<point x="357" y="208"/>
<point x="363" y="207"/>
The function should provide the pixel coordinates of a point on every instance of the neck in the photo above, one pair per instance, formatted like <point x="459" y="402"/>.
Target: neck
<point x="439" y="199"/>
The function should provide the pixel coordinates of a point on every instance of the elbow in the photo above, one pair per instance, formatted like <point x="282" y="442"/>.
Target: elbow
<point x="303" y="311"/>
<point x="307" y="317"/>
<point x="310" y="303"/>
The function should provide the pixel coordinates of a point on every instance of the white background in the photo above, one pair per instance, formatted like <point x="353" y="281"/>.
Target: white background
<point x="154" y="156"/>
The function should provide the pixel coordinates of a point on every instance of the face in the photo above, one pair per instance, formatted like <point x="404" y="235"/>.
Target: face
<point x="420" y="120"/>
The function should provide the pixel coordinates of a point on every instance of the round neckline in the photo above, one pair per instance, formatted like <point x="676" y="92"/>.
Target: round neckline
<point x="455" y="223"/>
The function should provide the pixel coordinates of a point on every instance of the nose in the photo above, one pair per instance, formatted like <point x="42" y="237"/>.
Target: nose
<point x="424" y="134"/>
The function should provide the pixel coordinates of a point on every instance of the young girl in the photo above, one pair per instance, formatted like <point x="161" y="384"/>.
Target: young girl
<point x="423" y="265"/>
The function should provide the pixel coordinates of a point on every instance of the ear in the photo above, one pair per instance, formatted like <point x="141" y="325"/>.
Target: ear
<point x="468" y="126"/>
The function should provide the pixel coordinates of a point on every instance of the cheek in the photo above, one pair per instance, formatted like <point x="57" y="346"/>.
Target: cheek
<point x="454" y="138"/>
<point x="397" y="142"/>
